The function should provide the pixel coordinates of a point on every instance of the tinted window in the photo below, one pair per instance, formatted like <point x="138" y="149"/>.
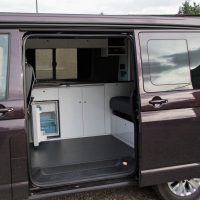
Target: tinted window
<point x="66" y="63"/>
<point x="43" y="58"/>
<point x="168" y="62"/>
<point x="3" y="65"/>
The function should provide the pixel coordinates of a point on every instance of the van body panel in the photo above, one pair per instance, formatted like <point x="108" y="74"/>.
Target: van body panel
<point x="20" y="180"/>
<point x="169" y="138"/>
<point x="176" y="100"/>
<point x="12" y="123"/>
<point x="170" y="173"/>
<point x="60" y="20"/>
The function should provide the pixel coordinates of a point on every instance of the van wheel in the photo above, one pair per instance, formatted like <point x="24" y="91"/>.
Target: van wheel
<point x="188" y="189"/>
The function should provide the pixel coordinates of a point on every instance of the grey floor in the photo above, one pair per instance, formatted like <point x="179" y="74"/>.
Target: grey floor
<point x="80" y="150"/>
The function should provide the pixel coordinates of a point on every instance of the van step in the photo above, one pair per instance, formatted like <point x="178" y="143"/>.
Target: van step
<point x="37" y="193"/>
<point x="70" y="173"/>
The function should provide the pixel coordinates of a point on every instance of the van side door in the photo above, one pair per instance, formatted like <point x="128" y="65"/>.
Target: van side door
<point x="13" y="159"/>
<point x="169" y="84"/>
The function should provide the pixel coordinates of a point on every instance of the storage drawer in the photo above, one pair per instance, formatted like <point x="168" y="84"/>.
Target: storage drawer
<point x="45" y="94"/>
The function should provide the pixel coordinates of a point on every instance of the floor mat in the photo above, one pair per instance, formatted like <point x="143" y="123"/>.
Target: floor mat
<point x="79" y="150"/>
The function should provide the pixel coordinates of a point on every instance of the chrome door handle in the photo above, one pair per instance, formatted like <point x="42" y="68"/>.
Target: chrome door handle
<point x="4" y="110"/>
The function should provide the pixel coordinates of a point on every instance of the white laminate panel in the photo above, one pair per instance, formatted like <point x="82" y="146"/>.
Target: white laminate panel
<point x="113" y="90"/>
<point x="45" y="94"/>
<point x="124" y="140"/>
<point x="71" y="115"/>
<point x="93" y="110"/>
<point x="122" y="129"/>
<point x="48" y="106"/>
<point x="118" y="89"/>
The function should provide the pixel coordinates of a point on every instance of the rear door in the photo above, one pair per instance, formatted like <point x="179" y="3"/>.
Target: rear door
<point x="13" y="167"/>
<point x="169" y="81"/>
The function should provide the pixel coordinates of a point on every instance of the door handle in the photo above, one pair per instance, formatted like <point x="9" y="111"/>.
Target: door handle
<point x="157" y="102"/>
<point x="5" y="110"/>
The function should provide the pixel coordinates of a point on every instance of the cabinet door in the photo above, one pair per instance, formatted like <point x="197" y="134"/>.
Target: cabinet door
<point x="71" y="122"/>
<point x="93" y="110"/>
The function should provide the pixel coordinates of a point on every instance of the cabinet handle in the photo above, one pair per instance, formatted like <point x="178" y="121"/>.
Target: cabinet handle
<point x="79" y="101"/>
<point x="84" y="101"/>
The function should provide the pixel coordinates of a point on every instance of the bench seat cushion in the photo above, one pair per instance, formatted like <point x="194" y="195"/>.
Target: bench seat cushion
<point x="121" y="104"/>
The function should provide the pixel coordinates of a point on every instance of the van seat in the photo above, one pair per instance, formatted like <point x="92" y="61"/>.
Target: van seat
<point x="121" y="104"/>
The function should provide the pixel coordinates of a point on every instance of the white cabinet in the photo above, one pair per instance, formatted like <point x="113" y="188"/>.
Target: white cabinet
<point x="123" y="130"/>
<point x="71" y="112"/>
<point x="44" y="94"/>
<point x="81" y="111"/>
<point x="93" y="110"/>
<point x="44" y="120"/>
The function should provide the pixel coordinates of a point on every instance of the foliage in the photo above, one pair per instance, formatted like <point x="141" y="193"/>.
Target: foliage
<point x="188" y="9"/>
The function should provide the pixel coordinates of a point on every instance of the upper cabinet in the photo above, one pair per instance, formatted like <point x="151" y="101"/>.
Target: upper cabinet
<point x="66" y="43"/>
<point x="87" y="43"/>
<point x="116" y="47"/>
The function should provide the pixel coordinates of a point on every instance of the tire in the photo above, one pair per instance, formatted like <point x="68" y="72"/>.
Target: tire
<point x="179" y="190"/>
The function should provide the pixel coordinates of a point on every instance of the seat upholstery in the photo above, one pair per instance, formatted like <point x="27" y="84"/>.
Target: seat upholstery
<point x="121" y="104"/>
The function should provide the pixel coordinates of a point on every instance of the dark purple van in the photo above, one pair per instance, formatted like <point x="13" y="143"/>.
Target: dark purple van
<point x="90" y="102"/>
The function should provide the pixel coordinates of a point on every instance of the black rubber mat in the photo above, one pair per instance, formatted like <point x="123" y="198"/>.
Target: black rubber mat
<point x="68" y="173"/>
<point x="79" y="150"/>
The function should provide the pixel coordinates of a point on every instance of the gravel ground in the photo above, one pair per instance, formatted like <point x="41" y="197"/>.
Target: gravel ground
<point x="125" y="193"/>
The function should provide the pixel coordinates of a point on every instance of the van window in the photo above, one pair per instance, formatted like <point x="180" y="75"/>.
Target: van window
<point x="3" y="64"/>
<point x="43" y="59"/>
<point x="194" y="44"/>
<point x="168" y="62"/>
<point x="66" y="63"/>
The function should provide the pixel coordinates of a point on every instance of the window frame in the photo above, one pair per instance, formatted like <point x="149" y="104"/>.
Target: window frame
<point x="150" y="65"/>
<point x="8" y="65"/>
<point x="54" y="68"/>
<point x="146" y="84"/>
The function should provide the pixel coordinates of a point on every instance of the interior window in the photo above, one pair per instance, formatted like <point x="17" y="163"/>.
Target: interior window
<point x="44" y="69"/>
<point x="168" y="62"/>
<point x="3" y="65"/>
<point x="66" y="63"/>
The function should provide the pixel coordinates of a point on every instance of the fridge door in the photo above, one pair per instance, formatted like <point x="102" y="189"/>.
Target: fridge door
<point x="38" y="135"/>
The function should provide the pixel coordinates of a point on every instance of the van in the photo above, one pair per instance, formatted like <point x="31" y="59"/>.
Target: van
<point x="90" y="102"/>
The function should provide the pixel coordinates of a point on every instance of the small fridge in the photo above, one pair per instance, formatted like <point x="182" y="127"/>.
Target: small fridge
<point x="45" y="121"/>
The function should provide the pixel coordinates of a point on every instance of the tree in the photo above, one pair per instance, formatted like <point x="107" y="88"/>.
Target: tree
<point x="187" y="9"/>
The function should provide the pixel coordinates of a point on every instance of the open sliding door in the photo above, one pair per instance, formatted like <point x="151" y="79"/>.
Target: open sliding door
<point x="169" y="80"/>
